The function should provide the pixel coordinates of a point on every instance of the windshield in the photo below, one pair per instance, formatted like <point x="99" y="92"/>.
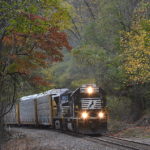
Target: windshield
<point x="85" y="95"/>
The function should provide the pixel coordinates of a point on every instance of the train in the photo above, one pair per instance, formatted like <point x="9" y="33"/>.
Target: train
<point x="82" y="110"/>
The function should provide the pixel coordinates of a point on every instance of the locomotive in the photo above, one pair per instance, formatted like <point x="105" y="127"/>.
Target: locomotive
<point x="82" y="111"/>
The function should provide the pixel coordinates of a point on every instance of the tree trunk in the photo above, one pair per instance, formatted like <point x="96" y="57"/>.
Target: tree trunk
<point x="136" y="109"/>
<point x="137" y="103"/>
<point x="2" y="135"/>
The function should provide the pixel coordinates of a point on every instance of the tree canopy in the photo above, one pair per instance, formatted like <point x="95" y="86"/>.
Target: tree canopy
<point x="136" y="46"/>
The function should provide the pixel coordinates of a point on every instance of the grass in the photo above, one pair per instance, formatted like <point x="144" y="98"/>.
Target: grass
<point x="138" y="132"/>
<point x="123" y="129"/>
<point x="115" y="126"/>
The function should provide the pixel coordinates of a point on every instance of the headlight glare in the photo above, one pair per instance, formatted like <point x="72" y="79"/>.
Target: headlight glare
<point x="101" y="115"/>
<point x="84" y="115"/>
<point x="90" y="90"/>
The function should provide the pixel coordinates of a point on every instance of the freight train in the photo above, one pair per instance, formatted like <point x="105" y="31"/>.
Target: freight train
<point x="82" y="111"/>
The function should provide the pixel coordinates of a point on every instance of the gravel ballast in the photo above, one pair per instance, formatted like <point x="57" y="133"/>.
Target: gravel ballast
<point x="36" y="139"/>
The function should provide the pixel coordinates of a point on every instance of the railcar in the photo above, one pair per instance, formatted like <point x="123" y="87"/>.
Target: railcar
<point x="83" y="110"/>
<point x="34" y="109"/>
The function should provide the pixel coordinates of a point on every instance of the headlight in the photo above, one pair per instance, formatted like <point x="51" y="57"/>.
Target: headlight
<point x="84" y="115"/>
<point x="90" y="90"/>
<point x="101" y="115"/>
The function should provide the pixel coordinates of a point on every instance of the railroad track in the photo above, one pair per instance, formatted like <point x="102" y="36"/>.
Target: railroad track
<point x="118" y="143"/>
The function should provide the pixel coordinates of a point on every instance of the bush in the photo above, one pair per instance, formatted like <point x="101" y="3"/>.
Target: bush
<point x="119" y="108"/>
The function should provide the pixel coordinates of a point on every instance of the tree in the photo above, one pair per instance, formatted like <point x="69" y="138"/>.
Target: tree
<point x="32" y="36"/>
<point x="136" y="54"/>
<point x="136" y="46"/>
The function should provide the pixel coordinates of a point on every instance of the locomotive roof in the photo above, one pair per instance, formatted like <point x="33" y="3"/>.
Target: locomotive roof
<point x="56" y="92"/>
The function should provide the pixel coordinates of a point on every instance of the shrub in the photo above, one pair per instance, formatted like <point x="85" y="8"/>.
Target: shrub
<point x="119" y="108"/>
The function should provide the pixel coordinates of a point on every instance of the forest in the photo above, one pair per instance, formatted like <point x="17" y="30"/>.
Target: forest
<point x="47" y="44"/>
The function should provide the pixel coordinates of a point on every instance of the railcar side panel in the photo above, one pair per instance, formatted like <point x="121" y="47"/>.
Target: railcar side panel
<point x="27" y="112"/>
<point x="44" y="110"/>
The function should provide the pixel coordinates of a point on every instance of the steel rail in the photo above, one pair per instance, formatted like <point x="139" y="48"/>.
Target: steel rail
<point x="124" y="144"/>
<point x="130" y="141"/>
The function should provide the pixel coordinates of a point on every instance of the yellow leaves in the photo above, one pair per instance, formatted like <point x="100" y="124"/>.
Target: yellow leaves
<point x="12" y="68"/>
<point x="136" y="53"/>
<point x="61" y="19"/>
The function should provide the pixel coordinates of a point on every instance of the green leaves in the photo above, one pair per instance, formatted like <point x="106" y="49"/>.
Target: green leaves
<point x="89" y="54"/>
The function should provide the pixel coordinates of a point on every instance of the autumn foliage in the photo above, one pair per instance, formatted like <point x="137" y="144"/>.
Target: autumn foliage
<point x="36" y="48"/>
<point x="136" y="46"/>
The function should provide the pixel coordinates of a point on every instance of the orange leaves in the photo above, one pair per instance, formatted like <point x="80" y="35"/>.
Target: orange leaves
<point x="7" y="40"/>
<point x="39" y="55"/>
<point x="24" y="66"/>
<point x="12" y="57"/>
<point x="60" y="36"/>
<point x="39" y="80"/>
<point x="53" y="39"/>
<point x="16" y="39"/>
<point x="52" y="42"/>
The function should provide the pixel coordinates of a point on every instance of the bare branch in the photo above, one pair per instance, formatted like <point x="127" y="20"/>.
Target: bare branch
<point x="76" y="28"/>
<point x="11" y="104"/>
<point x="90" y="9"/>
